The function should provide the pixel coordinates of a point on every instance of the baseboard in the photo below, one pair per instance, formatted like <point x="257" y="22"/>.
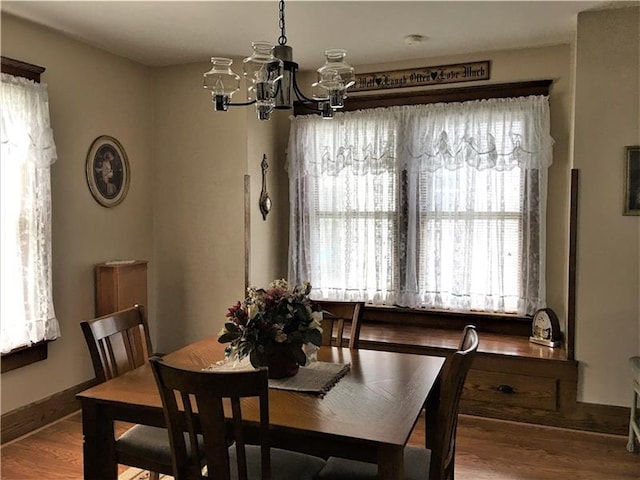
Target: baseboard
<point x="603" y="418"/>
<point x="26" y="419"/>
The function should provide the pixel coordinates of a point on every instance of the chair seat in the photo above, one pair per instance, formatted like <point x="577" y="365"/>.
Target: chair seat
<point x="285" y="465"/>
<point x="416" y="467"/>
<point x="144" y="440"/>
<point x="148" y="448"/>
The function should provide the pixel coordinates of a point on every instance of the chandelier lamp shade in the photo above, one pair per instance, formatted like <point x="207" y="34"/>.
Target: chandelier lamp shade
<point x="270" y="78"/>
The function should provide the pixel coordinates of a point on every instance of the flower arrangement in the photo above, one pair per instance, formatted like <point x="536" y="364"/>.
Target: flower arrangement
<point x="270" y="320"/>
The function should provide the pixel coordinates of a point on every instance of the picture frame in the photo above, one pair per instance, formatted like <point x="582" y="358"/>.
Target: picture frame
<point x="632" y="181"/>
<point x="107" y="171"/>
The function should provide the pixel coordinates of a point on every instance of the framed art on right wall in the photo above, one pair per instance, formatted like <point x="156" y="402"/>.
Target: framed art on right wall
<point x="632" y="181"/>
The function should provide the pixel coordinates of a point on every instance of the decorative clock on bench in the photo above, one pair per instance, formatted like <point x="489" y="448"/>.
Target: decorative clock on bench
<point x="545" y="328"/>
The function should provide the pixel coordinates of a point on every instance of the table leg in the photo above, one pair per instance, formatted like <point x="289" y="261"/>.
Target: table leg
<point x="99" y="446"/>
<point x="391" y="462"/>
<point x="431" y="415"/>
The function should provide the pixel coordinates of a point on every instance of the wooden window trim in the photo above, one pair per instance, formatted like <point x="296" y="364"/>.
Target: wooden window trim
<point x="21" y="69"/>
<point x="37" y="352"/>
<point x="441" y="95"/>
<point x="23" y="356"/>
<point x="499" y="323"/>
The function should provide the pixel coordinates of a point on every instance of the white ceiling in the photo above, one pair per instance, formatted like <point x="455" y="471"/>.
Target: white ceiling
<point x="159" y="33"/>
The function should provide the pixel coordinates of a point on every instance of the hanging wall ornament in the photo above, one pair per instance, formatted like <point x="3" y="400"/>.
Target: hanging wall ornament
<point x="265" y="200"/>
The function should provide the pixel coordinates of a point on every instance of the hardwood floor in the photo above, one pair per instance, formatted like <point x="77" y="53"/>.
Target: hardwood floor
<point x="486" y="450"/>
<point x="51" y="453"/>
<point x="499" y="450"/>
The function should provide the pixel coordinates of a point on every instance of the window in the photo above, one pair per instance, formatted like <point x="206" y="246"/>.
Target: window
<point x="470" y="220"/>
<point x="28" y="151"/>
<point x="438" y="206"/>
<point x="348" y="217"/>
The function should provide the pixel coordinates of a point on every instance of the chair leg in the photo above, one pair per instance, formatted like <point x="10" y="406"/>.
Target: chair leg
<point x="154" y="475"/>
<point x="634" y="426"/>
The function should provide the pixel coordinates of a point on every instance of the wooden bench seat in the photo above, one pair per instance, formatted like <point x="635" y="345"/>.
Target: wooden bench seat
<point x="510" y="379"/>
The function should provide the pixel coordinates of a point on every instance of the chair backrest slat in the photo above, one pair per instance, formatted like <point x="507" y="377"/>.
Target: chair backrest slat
<point x="239" y="438"/>
<point x="118" y="342"/>
<point x="130" y="347"/>
<point x="453" y="377"/>
<point x="105" y="359"/>
<point x="205" y="393"/>
<point x="336" y="314"/>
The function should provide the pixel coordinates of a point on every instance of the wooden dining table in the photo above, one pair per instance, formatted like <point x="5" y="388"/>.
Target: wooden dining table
<point x="367" y="415"/>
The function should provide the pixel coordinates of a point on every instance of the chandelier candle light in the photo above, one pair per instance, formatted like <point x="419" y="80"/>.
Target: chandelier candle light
<point x="270" y="75"/>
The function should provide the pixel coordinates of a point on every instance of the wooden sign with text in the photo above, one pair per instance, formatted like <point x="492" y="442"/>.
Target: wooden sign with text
<point x="418" y="77"/>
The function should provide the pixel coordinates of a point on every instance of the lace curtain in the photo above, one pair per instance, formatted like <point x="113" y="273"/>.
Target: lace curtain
<point x="28" y="150"/>
<point x="439" y="206"/>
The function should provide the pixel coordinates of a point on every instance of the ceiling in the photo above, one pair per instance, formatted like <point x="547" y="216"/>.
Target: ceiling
<point x="160" y="33"/>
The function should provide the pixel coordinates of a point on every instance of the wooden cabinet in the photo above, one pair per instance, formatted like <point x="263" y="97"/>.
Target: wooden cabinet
<point x="120" y="285"/>
<point x="524" y="388"/>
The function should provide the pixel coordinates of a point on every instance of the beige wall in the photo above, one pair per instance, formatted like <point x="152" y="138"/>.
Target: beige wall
<point x="607" y="117"/>
<point x="269" y="238"/>
<point x="91" y="93"/>
<point x="184" y="211"/>
<point x="200" y="158"/>
<point x="199" y="162"/>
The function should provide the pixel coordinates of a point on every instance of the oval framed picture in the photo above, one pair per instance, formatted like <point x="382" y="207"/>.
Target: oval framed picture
<point x="107" y="171"/>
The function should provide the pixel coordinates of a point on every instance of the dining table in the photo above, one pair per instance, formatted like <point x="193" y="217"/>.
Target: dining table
<point x="367" y="415"/>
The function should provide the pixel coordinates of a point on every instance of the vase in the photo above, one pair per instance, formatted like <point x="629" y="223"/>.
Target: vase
<point x="281" y="362"/>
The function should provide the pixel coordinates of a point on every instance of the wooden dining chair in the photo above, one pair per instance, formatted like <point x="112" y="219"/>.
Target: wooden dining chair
<point x="335" y="316"/>
<point x="194" y="403"/>
<point x="437" y="461"/>
<point x="117" y="343"/>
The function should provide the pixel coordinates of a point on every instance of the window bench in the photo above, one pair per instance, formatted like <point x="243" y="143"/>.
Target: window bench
<point x="510" y="379"/>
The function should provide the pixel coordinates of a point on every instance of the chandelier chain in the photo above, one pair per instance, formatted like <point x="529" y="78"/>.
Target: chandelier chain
<point x="282" y="40"/>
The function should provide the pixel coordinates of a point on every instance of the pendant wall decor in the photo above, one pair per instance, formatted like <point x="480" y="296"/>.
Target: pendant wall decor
<point x="265" y="200"/>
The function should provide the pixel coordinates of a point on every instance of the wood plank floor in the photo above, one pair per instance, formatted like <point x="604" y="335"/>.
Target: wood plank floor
<point x="486" y="450"/>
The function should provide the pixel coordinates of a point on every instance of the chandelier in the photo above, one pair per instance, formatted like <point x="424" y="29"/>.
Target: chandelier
<point x="270" y="76"/>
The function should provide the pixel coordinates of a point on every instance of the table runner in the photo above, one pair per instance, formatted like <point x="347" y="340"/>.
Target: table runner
<point x="316" y="377"/>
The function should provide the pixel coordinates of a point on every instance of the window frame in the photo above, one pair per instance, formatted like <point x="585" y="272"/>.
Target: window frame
<point x="425" y="216"/>
<point x="393" y="216"/>
<point x="37" y="352"/>
<point x="358" y="101"/>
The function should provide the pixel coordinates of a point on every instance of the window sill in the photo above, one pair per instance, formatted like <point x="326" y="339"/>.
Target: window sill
<point x="506" y="324"/>
<point x="21" y="357"/>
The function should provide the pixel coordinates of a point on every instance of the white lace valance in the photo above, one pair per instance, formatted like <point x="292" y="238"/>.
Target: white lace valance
<point x="25" y="128"/>
<point x="497" y="134"/>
